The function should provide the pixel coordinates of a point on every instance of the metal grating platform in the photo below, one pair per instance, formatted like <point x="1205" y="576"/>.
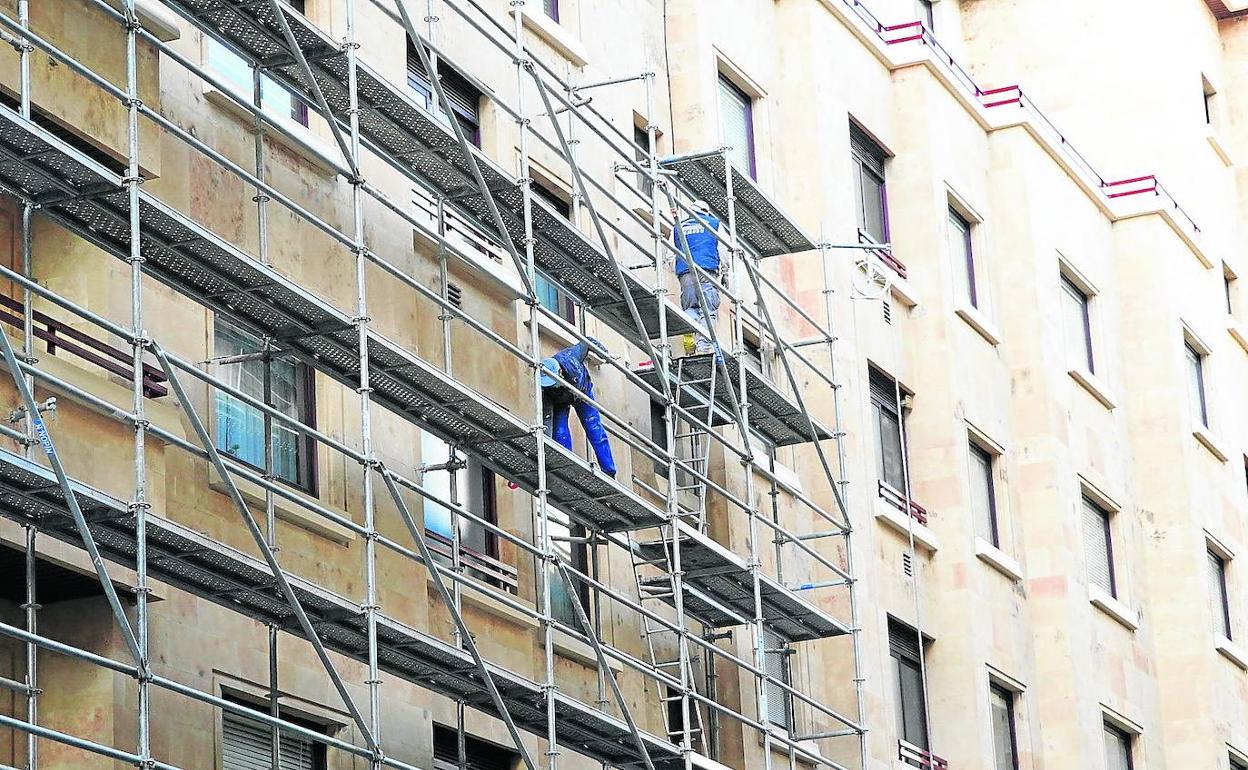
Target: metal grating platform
<point x="88" y="200"/>
<point x="719" y="590"/>
<point x="766" y="229"/>
<point x="773" y="415"/>
<point x="29" y="494"/>
<point x="394" y="125"/>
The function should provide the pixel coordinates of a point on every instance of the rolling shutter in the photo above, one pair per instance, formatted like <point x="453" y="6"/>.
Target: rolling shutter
<point x="246" y="746"/>
<point x="1097" y="548"/>
<point x="735" y="125"/>
<point x="777" y="667"/>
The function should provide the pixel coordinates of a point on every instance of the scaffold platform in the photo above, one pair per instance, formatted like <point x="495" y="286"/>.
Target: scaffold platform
<point x="399" y="130"/>
<point x="773" y="415"/>
<point x="192" y="562"/>
<point x="89" y="200"/>
<point x="719" y="590"/>
<point x="761" y="225"/>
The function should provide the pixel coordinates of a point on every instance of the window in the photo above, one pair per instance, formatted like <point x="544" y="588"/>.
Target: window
<point x="246" y="743"/>
<point x="641" y="139"/>
<point x="274" y="99"/>
<point x="872" y="198"/>
<point x="888" y="424"/>
<point x="551" y="8"/>
<point x="983" y="495"/>
<point x="927" y="14"/>
<point x="1004" y="735"/>
<point x="1219" y="603"/>
<point x="658" y="432"/>
<point x="736" y="126"/>
<point x="1196" y="384"/>
<point x="1077" y="326"/>
<point x="464" y="97"/>
<point x="550" y="294"/>
<point x="907" y="655"/>
<point x="779" y="701"/>
<point x="1098" y="547"/>
<point x="576" y="556"/>
<point x="1238" y="764"/>
<point x="1229" y="288"/>
<point x="478" y="754"/>
<point x="962" y="255"/>
<point x="1210" y="100"/>
<point x="240" y="426"/>
<point x="474" y="492"/>
<point x="1117" y="748"/>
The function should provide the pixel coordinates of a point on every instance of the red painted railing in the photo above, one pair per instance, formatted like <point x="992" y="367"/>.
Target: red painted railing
<point x="898" y="501"/>
<point x="916" y="757"/>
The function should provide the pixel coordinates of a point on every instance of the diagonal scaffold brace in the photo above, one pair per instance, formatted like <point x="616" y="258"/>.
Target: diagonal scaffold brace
<point x="262" y="544"/>
<point x="71" y="501"/>
<point x="469" y="642"/>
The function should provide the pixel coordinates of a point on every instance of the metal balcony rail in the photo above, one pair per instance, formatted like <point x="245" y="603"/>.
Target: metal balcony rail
<point x="893" y="34"/>
<point x="475" y="564"/>
<point x="898" y="501"/>
<point x="885" y="255"/>
<point x="916" y="757"/>
<point x="456" y="225"/>
<point x="59" y="335"/>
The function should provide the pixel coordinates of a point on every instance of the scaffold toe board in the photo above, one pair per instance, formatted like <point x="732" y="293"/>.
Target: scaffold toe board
<point x="89" y="201"/>
<point x="193" y="562"/>
<point x="719" y="590"/>
<point x="764" y="228"/>
<point x="772" y="414"/>
<point x="402" y="131"/>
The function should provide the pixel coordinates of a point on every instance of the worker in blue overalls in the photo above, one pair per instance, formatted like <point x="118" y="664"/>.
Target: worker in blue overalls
<point x="557" y="401"/>
<point x="696" y="238"/>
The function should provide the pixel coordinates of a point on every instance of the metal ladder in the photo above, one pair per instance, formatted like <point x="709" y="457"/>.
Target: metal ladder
<point x="698" y="443"/>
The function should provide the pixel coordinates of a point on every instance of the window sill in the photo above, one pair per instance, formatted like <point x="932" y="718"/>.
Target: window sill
<point x="1095" y="387"/>
<point x="571" y="648"/>
<point x="999" y="560"/>
<point x="1215" y="142"/>
<point x="286" y="510"/>
<point x="1237" y="331"/>
<point x="1114" y="608"/>
<point x="551" y="330"/>
<point x="980" y="323"/>
<point x="295" y="137"/>
<point x="924" y="537"/>
<point x="903" y="290"/>
<point x="470" y="597"/>
<point x="1208" y="441"/>
<point x="557" y="37"/>
<point x="154" y="17"/>
<point x="1232" y="652"/>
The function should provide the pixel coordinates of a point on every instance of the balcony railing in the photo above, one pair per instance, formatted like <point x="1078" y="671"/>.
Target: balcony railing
<point x="478" y="565"/>
<point x="916" y="757"/>
<point x="885" y="254"/>
<point x="455" y="225"/>
<point x="898" y="501"/>
<point x="61" y="337"/>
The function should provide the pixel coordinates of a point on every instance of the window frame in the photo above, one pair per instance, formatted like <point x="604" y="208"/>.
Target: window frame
<point x="579" y="557"/>
<point x="906" y="657"/>
<point x="869" y="158"/>
<point x="560" y="301"/>
<point x="1198" y="395"/>
<point x="1219" y="587"/>
<point x="726" y="82"/>
<point x="472" y="474"/>
<point x="1010" y="697"/>
<point x="1071" y="287"/>
<point x="496" y="753"/>
<point x="459" y="90"/>
<point x="782" y="653"/>
<point x="881" y="407"/>
<point x="320" y="753"/>
<point x="961" y="224"/>
<point x="551" y="9"/>
<point x="976" y="450"/>
<point x="299" y="111"/>
<point x="1106" y="523"/>
<point x="1126" y="740"/>
<point x="308" y="475"/>
<point x="927" y="14"/>
<point x="1230" y="288"/>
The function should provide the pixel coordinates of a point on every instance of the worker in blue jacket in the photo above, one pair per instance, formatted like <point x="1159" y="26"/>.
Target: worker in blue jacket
<point x="557" y="401"/>
<point x="695" y="238"/>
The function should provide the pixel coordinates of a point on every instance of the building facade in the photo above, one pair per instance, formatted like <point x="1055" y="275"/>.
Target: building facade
<point x="967" y="488"/>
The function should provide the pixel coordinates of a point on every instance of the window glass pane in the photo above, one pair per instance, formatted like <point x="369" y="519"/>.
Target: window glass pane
<point x="959" y="234"/>
<point x="1097" y="547"/>
<point x="1117" y="749"/>
<point x="1238" y="764"/>
<point x="464" y="97"/>
<point x="240" y="426"/>
<point x="1218" y="605"/>
<point x="551" y="8"/>
<point x="1001" y="705"/>
<point x="983" y="506"/>
<point x="1196" y="384"/>
<point x="913" y="727"/>
<point x="1076" y="326"/>
<point x="736" y="125"/>
<point x="872" y="187"/>
<point x="274" y="99"/>
<point x="574" y="554"/>
<point x="889" y="433"/>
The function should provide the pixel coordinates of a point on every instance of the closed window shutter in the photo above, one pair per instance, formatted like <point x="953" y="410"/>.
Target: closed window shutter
<point x="734" y="124"/>
<point x="883" y="390"/>
<point x="903" y="641"/>
<point x="1097" y="546"/>
<point x="246" y="746"/>
<point x="870" y="153"/>
<point x="776" y="666"/>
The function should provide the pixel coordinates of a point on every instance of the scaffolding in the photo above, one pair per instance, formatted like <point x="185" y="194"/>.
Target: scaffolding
<point x="690" y="591"/>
